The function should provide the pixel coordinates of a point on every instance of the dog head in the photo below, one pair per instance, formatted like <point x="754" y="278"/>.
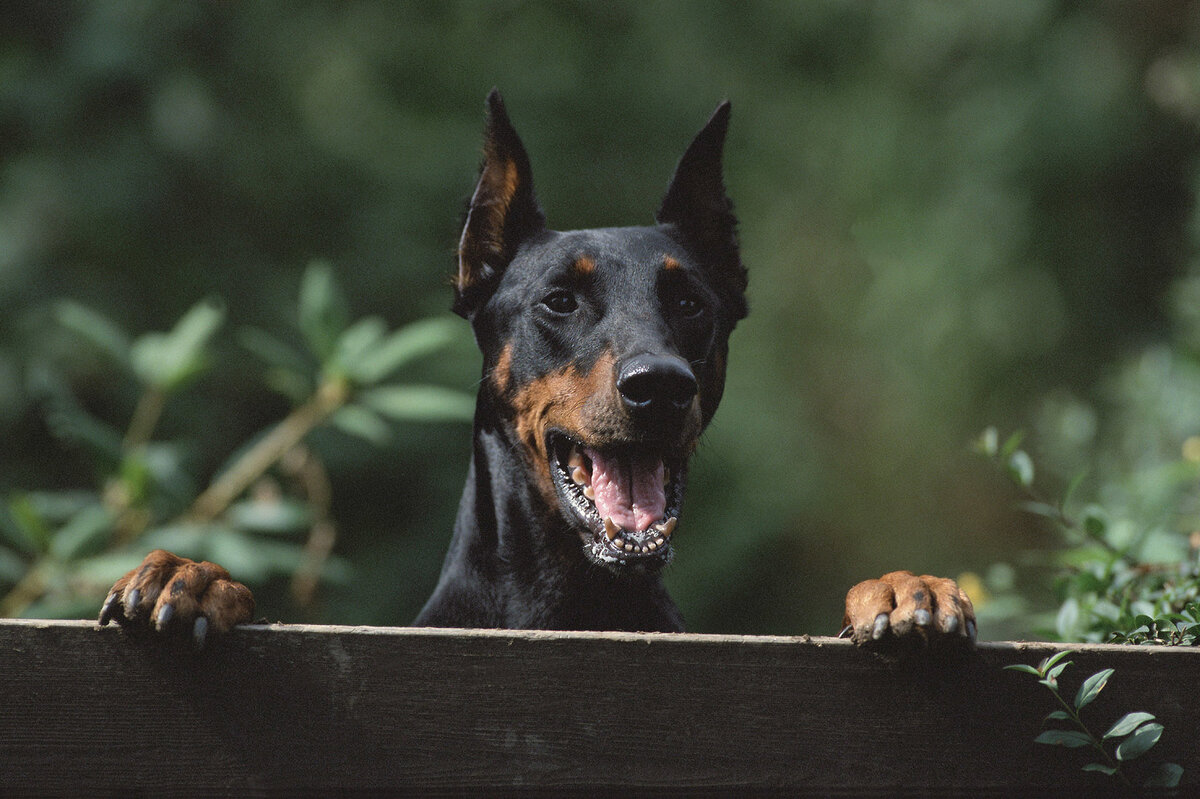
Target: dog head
<point x="604" y="350"/>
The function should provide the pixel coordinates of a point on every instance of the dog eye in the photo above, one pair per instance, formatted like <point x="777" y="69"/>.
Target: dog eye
<point x="560" y="302"/>
<point x="689" y="306"/>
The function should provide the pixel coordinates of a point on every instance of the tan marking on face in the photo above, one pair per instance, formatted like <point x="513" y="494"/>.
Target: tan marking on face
<point x="584" y="265"/>
<point x="582" y="404"/>
<point x="502" y="371"/>
<point x="671" y="264"/>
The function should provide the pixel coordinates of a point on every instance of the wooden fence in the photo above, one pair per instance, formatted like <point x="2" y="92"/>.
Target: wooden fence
<point x="295" y="710"/>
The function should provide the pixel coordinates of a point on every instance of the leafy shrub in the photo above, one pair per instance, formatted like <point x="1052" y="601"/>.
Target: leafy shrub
<point x="266" y="513"/>
<point x="1129" y="572"/>
<point x="1130" y="737"/>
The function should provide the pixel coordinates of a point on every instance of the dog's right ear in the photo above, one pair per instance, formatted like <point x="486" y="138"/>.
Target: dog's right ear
<point x="503" y="212"/>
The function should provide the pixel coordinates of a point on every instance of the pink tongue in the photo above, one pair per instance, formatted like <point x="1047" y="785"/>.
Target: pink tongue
<point x="630" y="492"/>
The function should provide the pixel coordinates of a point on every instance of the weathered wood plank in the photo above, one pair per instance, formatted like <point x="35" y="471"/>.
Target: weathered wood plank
<point x="287" y="709"/>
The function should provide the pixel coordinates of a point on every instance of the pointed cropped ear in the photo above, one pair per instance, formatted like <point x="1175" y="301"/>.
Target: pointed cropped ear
<point x="697" y="206"/>
<point x="503" y="212"/>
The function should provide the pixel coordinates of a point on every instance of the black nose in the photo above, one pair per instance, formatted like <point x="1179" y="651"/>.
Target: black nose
<point x="656" y="384"/>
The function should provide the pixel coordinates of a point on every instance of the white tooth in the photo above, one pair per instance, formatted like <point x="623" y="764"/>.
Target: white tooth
<point x="610" y="529"/>
<point x="579" y="476"/>
<point x="628" y="547"/>
<point x="642" y="550"/>
<point x="588" y="492"/>
<point x="576" y="460"/>
<point x="619" y="543"/>
<point x="652" y="546"/>
<point x="659" y="541"/>
<point x="668" y="527"/>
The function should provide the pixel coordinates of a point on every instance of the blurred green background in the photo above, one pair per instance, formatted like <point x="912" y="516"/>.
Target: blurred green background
<point x="954" y="215"/>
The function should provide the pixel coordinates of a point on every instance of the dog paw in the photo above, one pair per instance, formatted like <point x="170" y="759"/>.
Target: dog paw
<point x="173" y="595"/>
<point x="902" y="607"/>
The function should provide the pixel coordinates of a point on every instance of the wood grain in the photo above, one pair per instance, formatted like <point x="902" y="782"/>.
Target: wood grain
<point x="289" y="709"/>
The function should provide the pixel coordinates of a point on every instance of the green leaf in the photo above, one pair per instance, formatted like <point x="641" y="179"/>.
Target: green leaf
<point x="402" y="347"/>
<point x="1054" y="671"/>
<point x="276" y="515"/>
<point x="1072" y="487"/>
<point x="1011" y="444"/>
<point x="1020" y="468"/>
<point x="1057" y="715"/>
<point x="420" y="403"/>
<point x="273" y="351"/>
<point x="1140" y="742"/>
<point x="1066" y="623"/>
<point x="1165" y="775"/>
<point x="103" y="570"/>
<point x="323" y="309"/>
<point x="362" y="423"/>
<point x="1127" y="724"/>
<point x="1024" y="668"/>
<point x="32" y="533"/>
<point x="1091" y="688"/>
<point x="1072" y="739"/>
<point x="168" y="360"/>
<point x="357" y="340"/>
<point x="1050" y="661"/>
<point x="12" y="566"/>
<point x="1095" y="522"/>
<point x="252" y="557"/>
<point x="85" y="533"/>
<point x="988" y="443"/>
<point x="66" y="418"/>
<point x="1046" y="511"/>
<point x="96" y="328"/>
<point x="1103" y="769"/>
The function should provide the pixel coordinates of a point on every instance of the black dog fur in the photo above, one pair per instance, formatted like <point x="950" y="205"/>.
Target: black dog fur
<point x="604" y="350"/>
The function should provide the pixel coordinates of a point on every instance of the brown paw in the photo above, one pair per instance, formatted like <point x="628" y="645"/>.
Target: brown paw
<point x="168" y="593"/>
<point x="901" y="606"/>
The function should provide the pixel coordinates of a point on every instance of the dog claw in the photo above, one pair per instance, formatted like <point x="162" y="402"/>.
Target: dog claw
<point x="132" y="602"/>
<point x="107" y="612"/>
<point x="164" y="616"/>
<point x="200" y="631"/>
<point x="880" y="627"/>
<point x="922" y="617"/>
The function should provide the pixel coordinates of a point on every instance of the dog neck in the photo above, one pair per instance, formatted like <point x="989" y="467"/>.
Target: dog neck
<point x="513" y="561"/>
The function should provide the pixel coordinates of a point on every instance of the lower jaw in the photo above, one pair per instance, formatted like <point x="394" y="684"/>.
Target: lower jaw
<point x="621" y="550"/>
<point x="604" y="541"/>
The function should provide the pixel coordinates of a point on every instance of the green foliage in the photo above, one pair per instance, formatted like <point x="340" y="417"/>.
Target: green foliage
<point x="951" y="212"/>
<point x="1129" y="737"/>
<point x="266" y="513"/>
<point x="1122" y="577"/>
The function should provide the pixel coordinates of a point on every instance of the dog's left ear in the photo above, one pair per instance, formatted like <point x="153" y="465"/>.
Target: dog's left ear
<point x="697" y="206"/>
<point x="504" y="212"/>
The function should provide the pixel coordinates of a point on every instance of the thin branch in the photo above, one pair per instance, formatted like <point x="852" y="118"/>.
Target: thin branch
<point x="30" y="588"/>
<point x="145" y="418"/>
<point x="302" y="466"/>
<point x="330" y="396"/>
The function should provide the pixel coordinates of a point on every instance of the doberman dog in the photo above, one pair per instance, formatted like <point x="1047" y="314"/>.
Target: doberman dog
<point x="604" y="355"/>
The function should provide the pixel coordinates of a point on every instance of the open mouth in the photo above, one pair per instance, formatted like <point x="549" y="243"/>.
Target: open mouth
<point x="627" y="500"/>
